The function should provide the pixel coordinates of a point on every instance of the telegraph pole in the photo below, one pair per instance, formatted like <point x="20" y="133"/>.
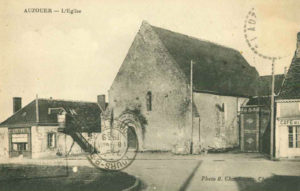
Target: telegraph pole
<point x="272" y="112"/>
<point x="191" y="149"/>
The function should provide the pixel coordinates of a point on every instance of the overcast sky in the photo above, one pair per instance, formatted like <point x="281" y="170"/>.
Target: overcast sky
<point x="77" y="56"/>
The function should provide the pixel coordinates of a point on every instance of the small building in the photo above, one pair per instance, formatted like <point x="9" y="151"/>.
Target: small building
<point x="154" y="81"/>
<point x="32" y="131"/>
<point x="287" y="126"/>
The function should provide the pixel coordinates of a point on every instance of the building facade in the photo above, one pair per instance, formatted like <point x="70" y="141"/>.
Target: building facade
<point x="287" y="129"/>
<point x="154" y="80"/>
<point x="287" y="134"/>
<point x="33" y="131"/>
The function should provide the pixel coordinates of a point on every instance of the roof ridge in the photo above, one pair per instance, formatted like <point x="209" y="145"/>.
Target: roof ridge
<point x="66" y="100"/>
<point x="210" y="59"/>
<point x="197" y="38"/>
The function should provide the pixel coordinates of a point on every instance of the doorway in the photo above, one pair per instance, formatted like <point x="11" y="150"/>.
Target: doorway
<point x="131" y="138"/>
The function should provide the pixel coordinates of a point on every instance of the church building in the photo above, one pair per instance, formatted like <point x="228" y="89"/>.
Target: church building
<point x="154" y="80"/>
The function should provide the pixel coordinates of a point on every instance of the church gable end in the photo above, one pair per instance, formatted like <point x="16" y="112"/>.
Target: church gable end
<point x="148" y="67"/>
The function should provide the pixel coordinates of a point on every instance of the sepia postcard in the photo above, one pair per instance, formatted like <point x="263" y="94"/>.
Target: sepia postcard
<point x="162" y="95"/>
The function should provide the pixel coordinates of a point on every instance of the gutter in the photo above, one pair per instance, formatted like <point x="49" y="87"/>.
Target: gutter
<point x="221" y="94"/>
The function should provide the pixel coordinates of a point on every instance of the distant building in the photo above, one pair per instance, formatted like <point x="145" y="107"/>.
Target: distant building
<point x="32" y="131"/>
<point x="264" y="88"/>
<point x="255" y="116"/>
<point x="287" y="129"/>
<point x="154" y="80"/>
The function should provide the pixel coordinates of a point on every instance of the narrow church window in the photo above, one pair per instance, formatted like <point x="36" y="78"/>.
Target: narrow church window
<point x="149" y="101"/>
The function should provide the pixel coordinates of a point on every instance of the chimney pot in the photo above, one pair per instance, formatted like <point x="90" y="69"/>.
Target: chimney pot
<point x="285" y="71"/>
<point x="101" y="102"/>
<point x="17" y="104"/>
<point x="297" y="53"/>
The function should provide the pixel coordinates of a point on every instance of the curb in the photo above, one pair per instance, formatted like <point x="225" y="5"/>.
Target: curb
<point x="134" y="187"/>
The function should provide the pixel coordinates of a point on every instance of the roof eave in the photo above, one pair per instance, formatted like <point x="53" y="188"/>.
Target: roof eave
<point x="19" y="125"/>
<point x="221" y="94"/>
<point x="286" y="100"/>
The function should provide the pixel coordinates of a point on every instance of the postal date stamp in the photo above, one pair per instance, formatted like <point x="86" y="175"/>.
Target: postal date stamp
<point x="252" y="38"/>
<point x="115" y="148"/>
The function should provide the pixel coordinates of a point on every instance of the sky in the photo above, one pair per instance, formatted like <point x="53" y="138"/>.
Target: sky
<point x="77" y="56"/>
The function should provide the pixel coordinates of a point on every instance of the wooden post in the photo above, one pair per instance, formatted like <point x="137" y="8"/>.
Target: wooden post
<point x="257" y="129"/>
<point x="272" y="112"/>
<point x="242" y="131"/>
<point x="191" y="149"/>
<point x="199" y="131"/>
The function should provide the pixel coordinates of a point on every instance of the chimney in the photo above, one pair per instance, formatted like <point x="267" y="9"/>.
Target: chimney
<point x="101" y="102"/>
<point x="17" y="104"/>
<point x="285" y="71"/>
<point x="297" y="54"/>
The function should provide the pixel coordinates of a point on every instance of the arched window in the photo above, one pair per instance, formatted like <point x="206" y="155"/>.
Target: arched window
<point x="149" y="101"/>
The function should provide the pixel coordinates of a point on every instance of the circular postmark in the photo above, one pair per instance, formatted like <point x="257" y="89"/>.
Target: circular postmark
<point x="252" y="38"/>
<point x="115" y="148"/>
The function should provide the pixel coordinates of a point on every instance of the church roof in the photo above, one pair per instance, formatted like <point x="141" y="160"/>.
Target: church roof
<point x="217" y="69"/>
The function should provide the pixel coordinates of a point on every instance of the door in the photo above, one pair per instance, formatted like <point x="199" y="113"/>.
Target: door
<point x="250" y="130"/>
<point x="131" y="138"/>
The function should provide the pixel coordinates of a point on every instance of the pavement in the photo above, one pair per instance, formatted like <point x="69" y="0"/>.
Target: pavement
<point x="156" y="171"/>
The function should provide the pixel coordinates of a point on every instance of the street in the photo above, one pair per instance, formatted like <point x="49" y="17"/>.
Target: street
<point x="156" y="171"/>
<point x="30" y="177"/>
<point x="213" y="172"/>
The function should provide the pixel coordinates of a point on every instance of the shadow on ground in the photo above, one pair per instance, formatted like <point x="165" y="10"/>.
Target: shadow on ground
<point x="278" y="183"/>
<point x="54" y="178"/>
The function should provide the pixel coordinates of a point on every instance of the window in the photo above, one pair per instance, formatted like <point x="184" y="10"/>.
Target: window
<point x="149" y="101"/>
<point x="20" y="146"/>
<point x="51" y="139"/>
<point x="19" y="141"/>
<point x="294" y="136"/>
